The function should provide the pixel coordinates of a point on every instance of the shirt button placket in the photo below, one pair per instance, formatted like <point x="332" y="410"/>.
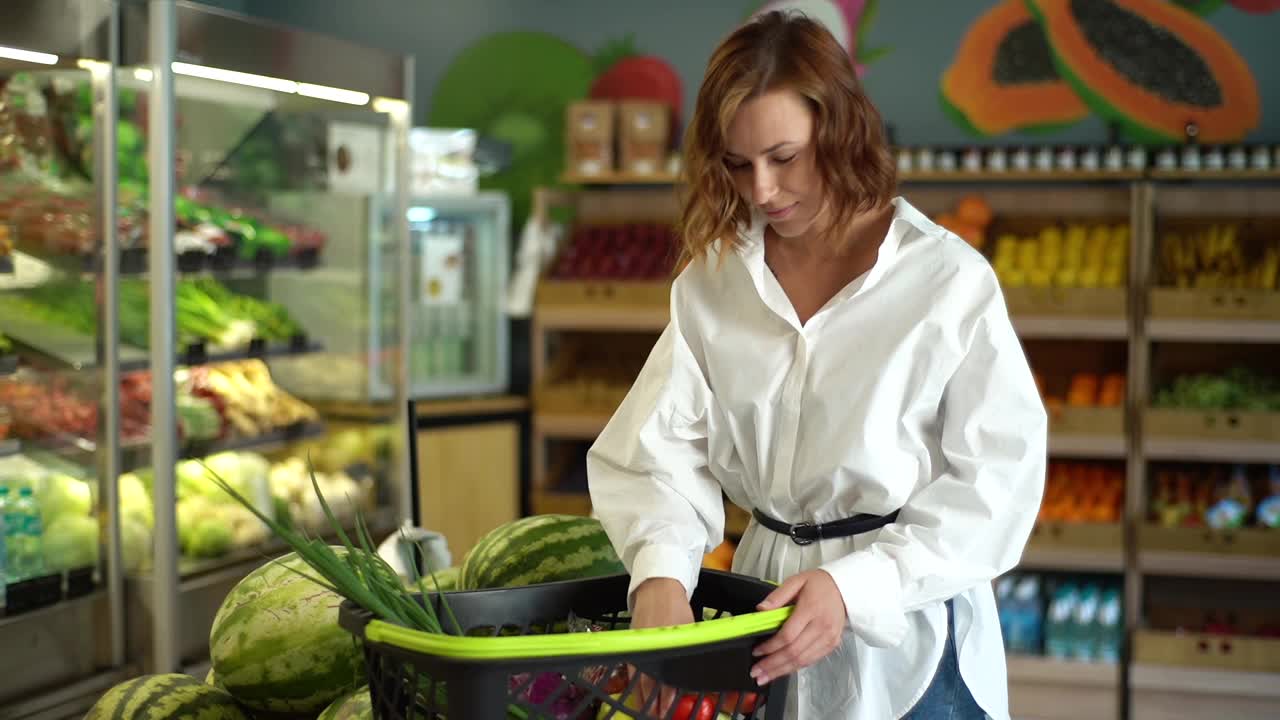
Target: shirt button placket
<point x="789" y="421"/>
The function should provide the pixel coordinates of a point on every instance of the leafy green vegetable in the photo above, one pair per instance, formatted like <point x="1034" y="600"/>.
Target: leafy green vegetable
<point x="1238" y="388"/>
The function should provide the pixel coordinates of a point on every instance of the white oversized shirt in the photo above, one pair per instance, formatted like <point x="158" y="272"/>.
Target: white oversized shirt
<point x="907" y="391"/>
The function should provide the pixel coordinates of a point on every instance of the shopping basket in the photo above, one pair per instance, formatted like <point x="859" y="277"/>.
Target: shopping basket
<point x="510" y="652"/>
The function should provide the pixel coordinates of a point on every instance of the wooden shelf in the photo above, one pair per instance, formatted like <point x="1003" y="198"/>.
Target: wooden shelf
<point x="1063" y="672"/>
<point x="1215" y="175"/>
<point x="1213" y="330"/>
<point x="1158" y="692"/>
<point x="585" y="426"/>
<point x="1049" y="689"/>
<point x="991" y="176"/>
<point x="1193" y="450"/>
<point x="1069" y="327"/>
<point x="620" y="178"/>
<point x="1087" y="446"/>
<point x="1077" y="560"/>
<point x="620" y="318"/>
<point x="1161" y="677"/>
<point x="1208" y="565"/>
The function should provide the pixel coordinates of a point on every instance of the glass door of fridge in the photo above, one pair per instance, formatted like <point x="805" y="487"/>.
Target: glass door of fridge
<point x="458" y="325"/>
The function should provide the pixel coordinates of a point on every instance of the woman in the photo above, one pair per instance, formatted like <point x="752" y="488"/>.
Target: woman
<point x="847" y="370"/>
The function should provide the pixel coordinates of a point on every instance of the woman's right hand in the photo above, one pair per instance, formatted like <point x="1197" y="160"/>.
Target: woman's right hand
<point x="659" y="602"/>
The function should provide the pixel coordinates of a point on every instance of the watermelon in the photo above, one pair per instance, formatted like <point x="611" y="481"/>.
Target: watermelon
<point x="441" y="581"/>
<point x="356" y="705"/>
<point x="538" y="549"/>
<point x="160" y="697"/>
<point x="276" y="644"/>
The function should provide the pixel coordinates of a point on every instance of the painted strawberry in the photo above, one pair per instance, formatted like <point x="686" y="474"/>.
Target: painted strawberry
<point x="625" y="74"/>
<point x="1257" y="7"/>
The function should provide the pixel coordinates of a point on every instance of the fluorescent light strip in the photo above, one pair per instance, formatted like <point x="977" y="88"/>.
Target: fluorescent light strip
<point x="390" y="106"/>
<point x="30" y="56"/>
<point x="350" y="97"/>
<point x="231" y="76"/>
<point x="144" y="74"/>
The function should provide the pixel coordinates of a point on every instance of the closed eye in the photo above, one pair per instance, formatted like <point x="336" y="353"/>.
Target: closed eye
<point x="785" y="160"/>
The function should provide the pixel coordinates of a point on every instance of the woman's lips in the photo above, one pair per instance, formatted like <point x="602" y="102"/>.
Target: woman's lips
<point x="780" y="214"/>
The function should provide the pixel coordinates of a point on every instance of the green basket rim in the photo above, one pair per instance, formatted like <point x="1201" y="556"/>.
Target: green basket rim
<point x="605" y="642"/>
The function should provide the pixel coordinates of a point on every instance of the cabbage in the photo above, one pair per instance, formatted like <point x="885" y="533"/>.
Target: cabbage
<point x="71" y="541"/>
<point x="135" y="544"/>
<point x="135" y="502"/>
<point x="60" y="495"/>
<point x="209" y="539"/>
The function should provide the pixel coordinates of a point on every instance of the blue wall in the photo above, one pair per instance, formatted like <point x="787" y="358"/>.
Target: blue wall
<point x="923" y="35"/>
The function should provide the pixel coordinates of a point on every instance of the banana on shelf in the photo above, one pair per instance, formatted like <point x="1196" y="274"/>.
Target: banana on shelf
<point x="1076" y="255"/>
<point x="1215" y="256"/>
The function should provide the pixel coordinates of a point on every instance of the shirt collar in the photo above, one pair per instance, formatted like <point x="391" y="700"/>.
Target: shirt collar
<point x="750" y="246"/>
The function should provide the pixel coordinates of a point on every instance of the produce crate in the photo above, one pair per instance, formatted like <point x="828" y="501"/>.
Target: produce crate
<point x="1261" y="542"/>
<point x="1207" y="650"/>
<point x="590" y="377"/>
<point x="1090" y="302"/>
<point x="1082" y="420"/>
<point x="502" y="650"/>
<point x="1212" y="424"/>
<point x="1077" y="536"/>
<point x="1225" y="304"/>
<point x="636" y="220"/>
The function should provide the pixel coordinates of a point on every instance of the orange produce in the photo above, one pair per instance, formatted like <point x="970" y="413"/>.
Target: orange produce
<point x="721" y="558"/>
<point x="974" y="210"/>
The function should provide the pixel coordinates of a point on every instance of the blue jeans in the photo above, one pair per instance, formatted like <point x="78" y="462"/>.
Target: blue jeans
<point x="947" y="697"/>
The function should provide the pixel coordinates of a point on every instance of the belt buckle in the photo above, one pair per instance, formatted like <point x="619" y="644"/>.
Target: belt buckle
<point x="800" y="540"/>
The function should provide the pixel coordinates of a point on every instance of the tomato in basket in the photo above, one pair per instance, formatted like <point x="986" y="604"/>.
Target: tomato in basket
<point x="686" y="709"/>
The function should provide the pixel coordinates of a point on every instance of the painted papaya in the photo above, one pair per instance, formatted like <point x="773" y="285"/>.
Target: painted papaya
<point x="1151" y="66"/>
<point x="1003" y="77"/>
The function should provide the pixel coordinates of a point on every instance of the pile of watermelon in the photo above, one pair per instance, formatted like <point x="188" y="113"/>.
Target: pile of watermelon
<point x="277" y="652"/>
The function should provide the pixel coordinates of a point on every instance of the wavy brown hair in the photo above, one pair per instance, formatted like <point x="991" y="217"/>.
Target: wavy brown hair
<point x="772" y="51"/>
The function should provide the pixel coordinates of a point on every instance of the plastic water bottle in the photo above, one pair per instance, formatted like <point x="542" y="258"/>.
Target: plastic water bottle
<point x="1025" y="616"/>
<point x="25" y="537"/>
<point x="1109" y="624"/>
<point x="1057" y="631"/>
<point x="1084" y="626"/>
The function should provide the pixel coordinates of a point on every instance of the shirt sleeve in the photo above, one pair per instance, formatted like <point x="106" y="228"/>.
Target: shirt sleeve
<point x="971" y="523"/>
<point x="648" y="474"/>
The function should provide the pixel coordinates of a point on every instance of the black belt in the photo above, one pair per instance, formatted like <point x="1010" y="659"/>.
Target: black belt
<point x="805" y="533"/>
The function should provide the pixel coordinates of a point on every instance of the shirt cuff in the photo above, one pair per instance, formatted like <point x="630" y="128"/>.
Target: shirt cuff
<point x="871" y="588"/>
<point x="662" y="561"/>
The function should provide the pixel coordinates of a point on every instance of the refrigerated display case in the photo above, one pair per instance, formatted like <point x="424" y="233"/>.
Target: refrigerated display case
<point x="459" y="336"/>
<point x="197" y="203"/>
<point x="62" y="594"/>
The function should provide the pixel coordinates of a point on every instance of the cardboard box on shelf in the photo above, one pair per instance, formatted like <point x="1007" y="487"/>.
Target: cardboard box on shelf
<point x="589" y="130"/>
<point x="645" y="136"/>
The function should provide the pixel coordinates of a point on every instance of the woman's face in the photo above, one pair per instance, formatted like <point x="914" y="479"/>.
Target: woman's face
<point x="771" y="159"/>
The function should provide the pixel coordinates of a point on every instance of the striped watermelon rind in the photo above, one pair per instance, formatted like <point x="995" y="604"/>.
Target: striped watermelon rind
<point x="538" y="549"/>
<point x="356" y="705"/>
<point x="276" y="645"/>
<point x="165" y="696"/>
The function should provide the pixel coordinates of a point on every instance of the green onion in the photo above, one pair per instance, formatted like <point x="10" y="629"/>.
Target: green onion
<point x="358" y="574"/>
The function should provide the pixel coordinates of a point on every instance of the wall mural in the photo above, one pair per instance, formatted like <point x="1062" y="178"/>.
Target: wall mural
<point x="1150" y="69"/>
<point x="1154" y="69"/>
<point x="847" y="20"/>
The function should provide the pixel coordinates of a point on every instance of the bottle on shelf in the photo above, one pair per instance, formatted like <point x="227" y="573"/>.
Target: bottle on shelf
<point x="1058" y="622"/>
<point x="1110" y="626"/>
<point x="24" y="538"/>
<point x="1083" y="627"/>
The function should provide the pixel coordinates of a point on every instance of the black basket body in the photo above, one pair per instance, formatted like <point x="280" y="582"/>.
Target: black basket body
<point x="407" y="685"/>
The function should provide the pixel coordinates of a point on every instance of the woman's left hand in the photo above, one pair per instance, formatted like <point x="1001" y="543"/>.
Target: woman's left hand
<point x="810" y="634"/>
